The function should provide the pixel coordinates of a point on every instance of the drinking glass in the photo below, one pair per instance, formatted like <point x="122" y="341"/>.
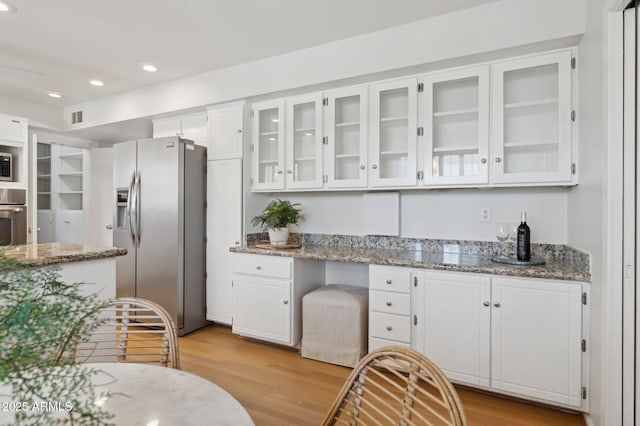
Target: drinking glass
<point x="503" y="230"/>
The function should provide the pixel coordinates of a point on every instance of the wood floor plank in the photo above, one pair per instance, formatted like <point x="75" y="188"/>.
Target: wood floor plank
<point x="279" y="387"/>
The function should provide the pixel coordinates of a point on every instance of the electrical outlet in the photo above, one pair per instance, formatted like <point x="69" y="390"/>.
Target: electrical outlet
<point x="485" y="214"/>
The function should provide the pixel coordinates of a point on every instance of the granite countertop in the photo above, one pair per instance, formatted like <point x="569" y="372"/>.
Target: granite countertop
<point x="553" y="268"/>
<point x="45" y="254"/>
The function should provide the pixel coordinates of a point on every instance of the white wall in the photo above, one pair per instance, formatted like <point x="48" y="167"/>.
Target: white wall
<point x="586" y="203"/>
<point x="499" y="25"/>
<point x="440" y="214"/>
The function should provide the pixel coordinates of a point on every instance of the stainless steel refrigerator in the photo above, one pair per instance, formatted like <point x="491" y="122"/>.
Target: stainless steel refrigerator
<point x="159" y="217"/>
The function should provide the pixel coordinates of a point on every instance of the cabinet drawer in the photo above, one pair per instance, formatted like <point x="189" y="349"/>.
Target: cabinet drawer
<point x="389" y="279"/>
<point x="264" y="266"/>
<point x="375" y="343"/>
<point x="389" y="326"/>
<point x="389" y="302"/>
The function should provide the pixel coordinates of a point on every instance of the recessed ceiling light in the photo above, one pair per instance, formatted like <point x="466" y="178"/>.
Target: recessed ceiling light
<point x="7" y="7"/>
<point x="97" y="83"/>
<point x="149" y="67"/>
<point x="55" y="95"/>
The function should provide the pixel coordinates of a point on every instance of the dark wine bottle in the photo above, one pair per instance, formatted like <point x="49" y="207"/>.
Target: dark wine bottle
<point x="524" y="239"/>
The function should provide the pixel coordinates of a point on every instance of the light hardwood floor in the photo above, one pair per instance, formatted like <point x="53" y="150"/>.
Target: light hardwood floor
<point x="279" y="387"/>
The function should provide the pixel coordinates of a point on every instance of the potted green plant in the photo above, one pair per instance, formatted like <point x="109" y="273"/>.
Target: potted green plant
<point x="276" y="218"/>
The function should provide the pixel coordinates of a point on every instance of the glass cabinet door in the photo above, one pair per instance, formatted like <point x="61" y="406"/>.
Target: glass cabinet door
<point x="43" y="186"/>
<point x="347" y="137"/>
<point x="532" y="119"/>
<point x="455" y="111"/>
<point x="394" y="137"/>
<point x="268" y="145"/>
<point x="304" y="142"/>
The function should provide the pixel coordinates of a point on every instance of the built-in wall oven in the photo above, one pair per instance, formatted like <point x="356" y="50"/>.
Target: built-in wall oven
<point x="13" y="217"/>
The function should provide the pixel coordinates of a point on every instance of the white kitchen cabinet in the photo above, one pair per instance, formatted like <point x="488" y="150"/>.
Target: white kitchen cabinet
<point x="346" y="125"/>
<point x="389" y="306"/>
<point x="268" y="156"/>
<point x="70" y="226"/>
<point x="46" y="226"/>
<point x="267" y="294"/>
<point x="531" y="125"/>
<point x="303" y="143"/>
<point x="455" y="113"/>
<point x="224" y="230"/>
<point x="536" y="335"/>
<point x="191" y="126"/>
<point x="13" y="129"/>
<point x="226" y="131"/>
<point x="513" y="335"/>
<point x="453" y="323"/>
<point x="393" y="128"/>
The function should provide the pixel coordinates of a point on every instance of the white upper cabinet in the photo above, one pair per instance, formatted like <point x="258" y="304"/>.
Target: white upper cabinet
<point x="304" y="142"/>
<point x="346" y="132"/>
<point x="192" y="127"/>
<point x="225" y="131"/>
<point x="455" y="112"/>
<point x="268" y="145"/>
<point x="13" y="129"/>
<point x="531" y="127"/>
<point x="393" y="133"/>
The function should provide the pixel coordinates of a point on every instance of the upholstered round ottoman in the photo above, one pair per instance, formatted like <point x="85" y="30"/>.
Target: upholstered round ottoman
<point x="334" y="324"/>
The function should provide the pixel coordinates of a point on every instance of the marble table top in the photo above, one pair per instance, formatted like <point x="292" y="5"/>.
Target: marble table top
<point x="145" y="395"/>
<point x="438" y="260"/>
<point x="45" y="254"/>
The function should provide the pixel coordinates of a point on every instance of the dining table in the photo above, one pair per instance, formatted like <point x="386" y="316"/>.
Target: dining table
<point x="149" y="395"/>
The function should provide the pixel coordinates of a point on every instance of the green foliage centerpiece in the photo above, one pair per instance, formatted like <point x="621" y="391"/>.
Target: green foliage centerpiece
<point x="38" y="386"/>
<point x="276" y="218"/>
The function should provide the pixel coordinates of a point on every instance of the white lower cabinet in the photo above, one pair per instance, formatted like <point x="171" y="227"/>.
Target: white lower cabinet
<point x="268" y="293"/>
<point x="389" y="307"/>
<point x="513" y="335"/>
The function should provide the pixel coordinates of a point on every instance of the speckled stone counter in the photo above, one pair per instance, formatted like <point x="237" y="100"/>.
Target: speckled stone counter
<point x="45" y="254"/>
<point x="561" y="264"/>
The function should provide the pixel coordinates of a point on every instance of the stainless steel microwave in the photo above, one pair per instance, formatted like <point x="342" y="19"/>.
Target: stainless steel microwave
<point x="6" y="166"/>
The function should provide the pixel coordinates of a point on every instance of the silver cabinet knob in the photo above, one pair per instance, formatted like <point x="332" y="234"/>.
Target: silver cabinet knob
<point x="286" y="302"/>
<point x="389" y="281"/>
<point x="498" y="159"/>
<point x="362" y="167"/>
<point x="67" y="221"/>
<point x="388" y="303"/>
<point x="237" y="242"/>
<point x="483" y="160"/>
<point x="486" y="303"/>
<point x="374" y="167"/>
<point x="289" y="172"/>
<point x="389" y="328"/>
<point x="279" y="172"/>
<point x="496" y="304"/>
<point x="109" y="227"/>
<point x="258" y="267"/>
<point x="239" y="130"/>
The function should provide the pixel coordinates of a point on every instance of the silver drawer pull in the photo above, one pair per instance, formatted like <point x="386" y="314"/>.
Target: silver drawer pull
<point x="286" y="302"/>
<point x="389" y="281"/>
<point x="486" y="303"/>
<point x="496" y="304"/>
<point x="258" y="267"/>
<point x="388" y="303"/>
<point x="388" y="328"/>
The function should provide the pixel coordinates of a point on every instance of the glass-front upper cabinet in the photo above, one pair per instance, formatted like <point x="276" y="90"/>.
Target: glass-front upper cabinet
<point x="455" y="113"/>
<point x="393" y="133"/>
<point x="304" y="142"/>
<point x="268" y="145"/>
<point x="346" y="129"/>
<point x="531" y="128"/>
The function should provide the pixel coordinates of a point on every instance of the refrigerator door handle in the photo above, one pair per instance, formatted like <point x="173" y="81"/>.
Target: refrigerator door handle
<point x="130" y="207"/>
<point x="136" y="204"/>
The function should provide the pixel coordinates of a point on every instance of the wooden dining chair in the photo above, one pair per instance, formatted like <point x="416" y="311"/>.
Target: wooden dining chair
<point x="396" y="386"/>
<point x="131" y="330"/>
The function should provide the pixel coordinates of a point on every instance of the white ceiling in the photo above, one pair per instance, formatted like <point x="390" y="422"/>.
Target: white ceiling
<point x="60" y="45"/>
